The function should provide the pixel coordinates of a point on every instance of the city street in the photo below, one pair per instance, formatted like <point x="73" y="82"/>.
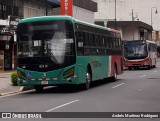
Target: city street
<point x="134" y="91"/>
<point x="66" y="42"/>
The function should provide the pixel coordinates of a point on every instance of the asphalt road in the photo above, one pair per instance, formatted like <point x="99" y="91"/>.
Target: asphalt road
<point x="134" y="91"/>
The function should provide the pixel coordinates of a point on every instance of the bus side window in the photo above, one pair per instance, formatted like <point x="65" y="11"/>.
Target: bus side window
<point x="149" y="47"/>
<point x="97" y="41"/>
<point x="114" y="43"/>
<point x="86" y="36"/>
<point x="80" y="43"/>
<point x="86" y="44"/>
<point x="93" y="40"/>
<point x="117" y="43"/>
<point x="120" y="44"/>
<point x="107" y="42"/>
<point x="102" y="44"/>
<point x="90" y="38"/>
<point x="103" y="41"/>
<point x="111" y="42"/>
<point x="152" y="48"/>
<point x="155" y="48"/>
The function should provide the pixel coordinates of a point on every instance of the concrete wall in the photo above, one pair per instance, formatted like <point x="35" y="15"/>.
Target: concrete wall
<point x="79" y="13"/>
<point x="34" y="8"/>
<point x="130" y="33"/>
<point x="83" y="14"/>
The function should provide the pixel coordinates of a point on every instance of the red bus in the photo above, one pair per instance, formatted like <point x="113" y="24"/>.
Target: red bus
<point x="140" y="53"/>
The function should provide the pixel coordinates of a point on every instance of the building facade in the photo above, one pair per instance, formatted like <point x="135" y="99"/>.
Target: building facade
<point x="147" y="11"/>
<point x="10" y="12"/>
<point x="132" y="30"/>
<point x="13" y="10"/>
<point x="82" y="10"/>
<point x="34" y="8"/>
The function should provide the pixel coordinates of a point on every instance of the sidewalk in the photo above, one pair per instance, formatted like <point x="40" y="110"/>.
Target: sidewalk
<point x="6" y="86"/>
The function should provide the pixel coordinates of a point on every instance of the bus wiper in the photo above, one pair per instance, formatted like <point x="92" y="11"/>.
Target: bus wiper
<point x="53" y="58"/>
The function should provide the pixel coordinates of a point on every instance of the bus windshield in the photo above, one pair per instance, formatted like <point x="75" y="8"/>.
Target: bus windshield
<point x="46" y="42"/>
<point x="135" y="50"/>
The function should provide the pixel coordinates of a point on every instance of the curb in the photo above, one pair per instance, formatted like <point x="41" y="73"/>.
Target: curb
<point x="21" y="89"/>
<point x="25" y="88"/>
<point x="8" y="93"/>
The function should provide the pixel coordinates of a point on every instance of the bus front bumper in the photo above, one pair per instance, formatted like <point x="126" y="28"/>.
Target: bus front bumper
<point x="47" y="81"/>
<point x="137" y="64"/>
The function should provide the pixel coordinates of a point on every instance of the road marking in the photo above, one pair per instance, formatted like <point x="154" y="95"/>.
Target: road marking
<point x="118" y="85"/>
<point x="142" y="76"/>
<point x="62" y="105"/>
<point x="155" y="71"/>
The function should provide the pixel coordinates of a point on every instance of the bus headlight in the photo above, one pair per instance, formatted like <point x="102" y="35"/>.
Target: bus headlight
<point x="20" y="74"/>
<point x="69" y="73"/>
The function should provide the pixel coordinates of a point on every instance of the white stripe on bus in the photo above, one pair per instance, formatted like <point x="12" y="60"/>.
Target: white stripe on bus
<point x="109" y="66"/>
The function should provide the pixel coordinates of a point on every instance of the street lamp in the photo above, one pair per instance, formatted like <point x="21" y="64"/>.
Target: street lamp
<point x="151" y="13"/>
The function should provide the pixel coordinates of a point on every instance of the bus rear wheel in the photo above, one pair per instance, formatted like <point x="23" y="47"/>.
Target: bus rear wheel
<point x="38" y="88"/>
<point x="148" y="67"/>
<point x="88" y="80"/>
<point x="129" y="68"/>
<point x="114" y="77"/>
<point x="154" y="66"/>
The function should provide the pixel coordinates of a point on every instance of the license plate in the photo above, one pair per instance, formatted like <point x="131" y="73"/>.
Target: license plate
<point x="44" y="82"/>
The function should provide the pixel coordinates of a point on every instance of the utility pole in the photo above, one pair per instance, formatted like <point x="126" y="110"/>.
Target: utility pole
<point x="132" y="15"/>
<point x="46" y="8"/>
<point x="115" y="14"/>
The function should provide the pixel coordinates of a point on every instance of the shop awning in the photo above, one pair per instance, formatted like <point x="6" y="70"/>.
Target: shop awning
<point x="54" y="3"/>
<point x="4" y="37"/>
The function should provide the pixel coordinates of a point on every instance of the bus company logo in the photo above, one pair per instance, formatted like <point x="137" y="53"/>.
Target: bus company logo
<point x="6" y="115"/>
<point x="29" y="74"/>
<point x="44" y="75"/>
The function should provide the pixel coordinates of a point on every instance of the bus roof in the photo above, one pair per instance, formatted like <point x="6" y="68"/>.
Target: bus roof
<point x="44" y="18"/>
<point x="97" y="26"/>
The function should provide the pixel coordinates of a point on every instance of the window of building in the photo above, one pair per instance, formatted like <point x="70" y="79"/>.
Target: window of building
<point x="34" y="8"/>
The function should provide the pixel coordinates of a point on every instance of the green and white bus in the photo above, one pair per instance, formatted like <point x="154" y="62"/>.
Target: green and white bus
<point x="60" y="50"/>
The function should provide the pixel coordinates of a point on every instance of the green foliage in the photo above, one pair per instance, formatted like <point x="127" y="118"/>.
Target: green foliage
<point x="14" y="77"/>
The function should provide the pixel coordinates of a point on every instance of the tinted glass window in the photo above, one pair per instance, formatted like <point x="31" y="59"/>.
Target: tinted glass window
<point x="135" y="50"/>
<point x="47" y="42"/>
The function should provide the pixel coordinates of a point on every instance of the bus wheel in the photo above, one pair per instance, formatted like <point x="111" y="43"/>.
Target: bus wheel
<point x="129" y="68"/>
<point x="38" y="88"/>
<point x="88" y="80"/>
<point x="148" y="67"/>
<point x="114" y="77"/>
